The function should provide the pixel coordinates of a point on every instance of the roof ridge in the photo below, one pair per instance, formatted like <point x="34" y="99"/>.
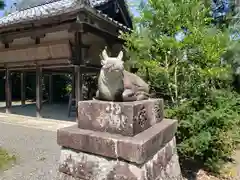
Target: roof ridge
<point x="46" y="3"/>
<point x="86" y="2"/>
<point x="32" y="7"/>
<point x="43" y="3"/>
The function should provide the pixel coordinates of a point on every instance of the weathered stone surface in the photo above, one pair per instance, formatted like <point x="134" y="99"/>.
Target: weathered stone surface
<point x="135" y="149"/>
<point x="163" y="165"/>
<point x="126" y="118"/>
<point x="63" y="176"/>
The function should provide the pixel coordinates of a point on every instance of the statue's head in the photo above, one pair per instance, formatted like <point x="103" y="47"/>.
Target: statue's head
<point x="112" y="64"/>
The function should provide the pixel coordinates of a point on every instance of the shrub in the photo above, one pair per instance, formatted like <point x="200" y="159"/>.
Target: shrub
<point x="189" y="75"/>
<point x="210" y="132"/>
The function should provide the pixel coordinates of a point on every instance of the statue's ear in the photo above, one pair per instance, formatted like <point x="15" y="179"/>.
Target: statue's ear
<point x="104" y="54"/>
<point x="120" y="55"/>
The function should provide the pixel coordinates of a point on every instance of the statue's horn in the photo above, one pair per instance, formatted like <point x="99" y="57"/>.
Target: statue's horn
<point x="120" y="55"/>
<point x="104" y="54"/>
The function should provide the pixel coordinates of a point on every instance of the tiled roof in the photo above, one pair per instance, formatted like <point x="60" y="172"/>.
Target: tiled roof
<point x="51" y="8"/>
<point x="33" y="3"/>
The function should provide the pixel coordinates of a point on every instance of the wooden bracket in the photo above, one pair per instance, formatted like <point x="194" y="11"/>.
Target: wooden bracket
<point x="38" y="38"/>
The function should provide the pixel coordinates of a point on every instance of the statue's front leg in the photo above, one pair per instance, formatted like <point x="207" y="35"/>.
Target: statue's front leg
<point x="141" y="95"/>
<point x="128" y="95"/>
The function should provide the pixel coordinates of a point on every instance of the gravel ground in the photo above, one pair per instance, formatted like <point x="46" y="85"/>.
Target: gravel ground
<point x="36" y="150"/>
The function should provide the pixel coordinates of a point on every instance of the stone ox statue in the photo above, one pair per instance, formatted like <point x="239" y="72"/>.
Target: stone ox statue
<point x="117" y="84"/>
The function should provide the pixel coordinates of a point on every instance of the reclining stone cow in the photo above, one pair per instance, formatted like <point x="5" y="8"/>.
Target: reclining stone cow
<point x="117" y="84"/>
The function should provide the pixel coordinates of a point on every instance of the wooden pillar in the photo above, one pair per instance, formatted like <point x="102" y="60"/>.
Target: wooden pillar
<point x="77" y="70"/>
<point x="8" y="91"/>
<point x="38" y="91"/>
<point x="50" y="89"/>
<point x="73" y="85"/>
<point x="23" y="88"/>
<point x="78" y="84"/>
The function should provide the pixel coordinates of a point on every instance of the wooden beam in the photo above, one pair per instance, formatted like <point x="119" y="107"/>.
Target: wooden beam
<point x="42" y="66"/>
<point x="101" y="32"/>
<point x="9" y="36"/>
<point x="34" y="36"/>
<point x="123" y="14"/>
<point x="38" y="91"/>
<point x="56" y="68"/>
<point x="36" y="46"/>
<point x="90" y="16"/>
<point x="23" y="88"/>
<point x="50" y="96"/>
<point x="8" y="91"/>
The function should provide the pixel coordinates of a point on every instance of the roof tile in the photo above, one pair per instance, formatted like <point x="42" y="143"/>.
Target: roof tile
<point x="49" y="9"/>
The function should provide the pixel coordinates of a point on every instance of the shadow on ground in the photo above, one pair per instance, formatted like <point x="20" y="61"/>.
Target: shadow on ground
<point x="190" y="169"/>
<point x="196" y="171"/>
<point x="49" y="111"/>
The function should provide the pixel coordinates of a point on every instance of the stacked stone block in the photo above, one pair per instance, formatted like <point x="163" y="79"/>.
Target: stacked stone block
<point x="119" y="141"/>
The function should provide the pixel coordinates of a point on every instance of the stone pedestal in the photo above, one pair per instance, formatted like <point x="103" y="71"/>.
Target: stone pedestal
<point x="119" y="141"/>
<point x="126" y="118"/>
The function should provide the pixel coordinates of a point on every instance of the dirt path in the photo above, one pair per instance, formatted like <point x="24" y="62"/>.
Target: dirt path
<point x="31" y="122"/>
<point x="34" y="143"/>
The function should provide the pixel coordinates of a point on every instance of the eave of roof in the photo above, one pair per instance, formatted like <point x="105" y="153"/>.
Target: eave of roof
<point x="54" y="9"/>
<point x="125" y="9"/>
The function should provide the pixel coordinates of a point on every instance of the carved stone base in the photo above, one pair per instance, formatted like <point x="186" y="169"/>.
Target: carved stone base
<point x="119" y="141"/>
<point x="76" y="165"/>
<point x="136" y="149"/>
<point x="125" y="118"/>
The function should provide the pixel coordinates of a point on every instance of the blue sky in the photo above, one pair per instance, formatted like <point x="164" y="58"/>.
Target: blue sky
<point x="10" y="2"/>
<point x="8" y="5"/>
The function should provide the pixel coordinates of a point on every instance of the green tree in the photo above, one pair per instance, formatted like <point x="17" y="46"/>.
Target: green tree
<point x="154" y="45"/>
<point x="233" y="54"/>
<point x="6" y="13"/>
<point x="2" y="4"/>
<point x="189" y="74"/>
